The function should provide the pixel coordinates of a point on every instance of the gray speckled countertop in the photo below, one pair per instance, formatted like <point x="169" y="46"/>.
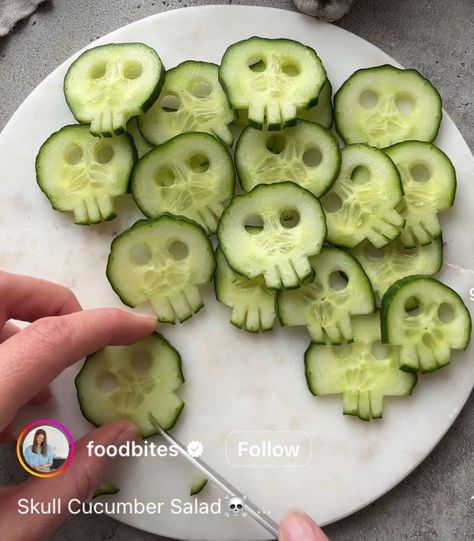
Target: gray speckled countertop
<point x="433" y="36"/>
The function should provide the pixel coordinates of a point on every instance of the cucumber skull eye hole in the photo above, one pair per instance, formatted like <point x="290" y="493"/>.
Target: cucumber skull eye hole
<point x="312" y="157"/>
<point x="201" y="89"/>
<point x="368" y="99"/>
<point x="380" y="351"/>
<point x="412" y="306"/>
<point x="98" y="70"/>
<point x="360" y="174"/>
<point x="291" y="69"/>
<point x="171" y="104"/>
<point x="253" y="224"/>
<point x="74" y="155"/>
<point x="276" y="144"/>
<point x="140" y="254"/>
<point x="257" y="65"/>
<point x="133" y="70"/>
<point x="141" y="360"/>
<point x="338" y="280"/>
<point x="420" y="173"/>
<point x="289" y="218"/>
<point x="165" y="176"/>
<point x="104" y="153"/>
<point x="107" y="382"/>
<point x="445" y="312"/>
<point x="405" y="103"/>
<point x="199" y="163"/>
<point x="178" y="250"/>
<point x="331" y="202"/>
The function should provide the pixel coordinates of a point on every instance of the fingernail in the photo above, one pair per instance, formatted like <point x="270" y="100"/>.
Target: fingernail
<point x="146" y="316"/>
<point x="130" y="433"/>
<point x="299" y="527"/>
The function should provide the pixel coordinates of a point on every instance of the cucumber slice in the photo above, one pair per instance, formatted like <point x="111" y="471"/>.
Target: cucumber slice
<point x="253" y="305"/>
<point x="389" y="264"/>
<point x="192" y="175"/>
<point x="384" y="105"/>
<point x="81" y="173"/>
<point x="192" y="100"/>
<point x="197" y="485"/>
<point x="105" y="488"/>
<point x="109" y="84"/>
<point x="127" y="382"/>
<point x="429" y="183"/>
<point x="361" y="203"/>
<point x="271" y="78"/>
<point x="307" y="154"/>
<point x="340" y="289"/>
<point x="426" y="319"/>
<point x="320" y="113"/>
<point x="162" y="261"/>
<point x="272" y="230"/>
<point x="364" y="372"/>
<point x="141" y="144"/>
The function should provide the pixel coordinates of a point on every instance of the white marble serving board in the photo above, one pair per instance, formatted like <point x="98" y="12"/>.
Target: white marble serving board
<point x="235" y="380"/>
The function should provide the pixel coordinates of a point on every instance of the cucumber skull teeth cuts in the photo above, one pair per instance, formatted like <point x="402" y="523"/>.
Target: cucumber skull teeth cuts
<point x="338" y="290"/>
<point x="426" y="319"/>
<point x="271" y="78"/>
<point x="364" y="372"/>
<point x="361" y="203"/>
<point x="83" y="174"/>
<point x="162" y="261"/>
<point x="109" y="84"/>
<point x="273" y="230"/>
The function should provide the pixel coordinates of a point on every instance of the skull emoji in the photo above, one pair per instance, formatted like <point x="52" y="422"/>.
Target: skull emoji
<point x="271" y="79"/>
<point x="192" y="100"/>
<point x="192" y="176"/>
<point x="280" y="226"/>
<point x="236" y="506"/>
<point x="81" y="173"/>
<point x="109" y="84"/>
<point x="162" y="261"/>
<point x="339" y="289"/>
<point x="361" y="203"/>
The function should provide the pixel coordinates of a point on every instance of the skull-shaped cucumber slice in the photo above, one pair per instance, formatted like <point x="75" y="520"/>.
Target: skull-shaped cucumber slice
<point x="429" y="183"/>
<point x="192" y="100"/>
<point x="162" y="262"/>
<point x="109" y="84"/>
<point x="273" y="230"/>
<point x="127" y="382"/>
<point x="361" y="203"/>
<point x="385" y="105"/>
<point x="272" y="79"/>
<point x="389" y="264"/>
<point x="364" y="372"/>
<point x="252" y="303"/>
<point x="306" y="154"/>
<point x="426" y="319"/>
<point x="339" y="289"/>
<point x="192" y="176"/>
<point x="82" y="173"/>
<point x="322" y="112"/>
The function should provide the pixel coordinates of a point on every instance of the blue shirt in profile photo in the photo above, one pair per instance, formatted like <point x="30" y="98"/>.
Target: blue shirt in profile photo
<point x="38" y="459"/>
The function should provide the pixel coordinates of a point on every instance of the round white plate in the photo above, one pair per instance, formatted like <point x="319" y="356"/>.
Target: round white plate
<point x="234" y="381"/>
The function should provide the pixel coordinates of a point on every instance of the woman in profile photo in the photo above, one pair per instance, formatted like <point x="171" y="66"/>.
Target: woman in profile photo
<point x="39" y="455"/>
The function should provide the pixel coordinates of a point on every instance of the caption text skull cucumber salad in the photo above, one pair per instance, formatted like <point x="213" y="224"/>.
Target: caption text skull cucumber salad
<point x="242" y="182"/>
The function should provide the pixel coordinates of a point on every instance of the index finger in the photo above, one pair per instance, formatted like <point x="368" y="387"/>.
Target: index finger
<point x="32" y="358"/>
<point x="28" y="299"/>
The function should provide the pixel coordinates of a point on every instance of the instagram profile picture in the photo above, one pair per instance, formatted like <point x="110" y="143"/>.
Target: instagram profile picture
<point x="45" y="448"/>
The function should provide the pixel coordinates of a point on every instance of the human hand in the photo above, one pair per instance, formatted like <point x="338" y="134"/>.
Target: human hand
<point x="60" y="335"/>
<point x="297" y="526"/>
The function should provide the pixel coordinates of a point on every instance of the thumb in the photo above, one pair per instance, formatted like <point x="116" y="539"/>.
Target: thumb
<point x="78" y="481"/>
<point x="297" y="526"/>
